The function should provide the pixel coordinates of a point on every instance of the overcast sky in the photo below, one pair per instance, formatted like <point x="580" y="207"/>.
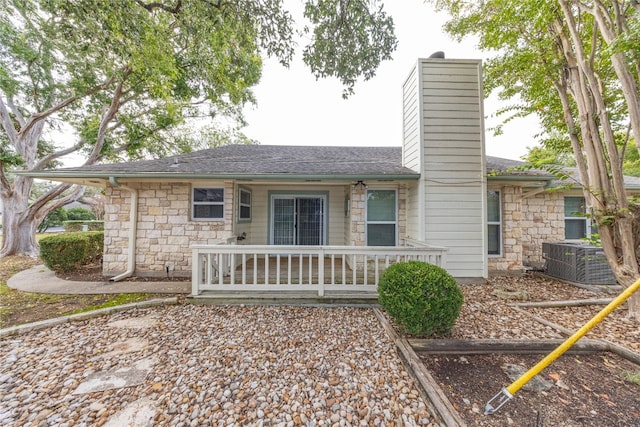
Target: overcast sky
<point x="295" y="109"/>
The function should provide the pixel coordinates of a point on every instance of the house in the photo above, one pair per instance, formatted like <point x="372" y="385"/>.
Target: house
<point x="334" y="217"/>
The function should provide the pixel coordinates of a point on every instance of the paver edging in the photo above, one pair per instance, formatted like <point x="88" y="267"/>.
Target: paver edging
<point x="28" y="327"/>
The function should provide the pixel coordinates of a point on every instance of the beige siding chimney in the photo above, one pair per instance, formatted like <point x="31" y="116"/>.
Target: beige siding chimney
<point x="443" y="139"/>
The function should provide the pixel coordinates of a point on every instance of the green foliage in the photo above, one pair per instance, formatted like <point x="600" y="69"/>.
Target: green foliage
<point x="80" y="214"/>
<point x="554" y="152"/>
<point x="160" y="64"/>
<point x="114" y="301"/>
<point x="349" y="39"/>
<point x="541" y="156"/>
<point x="423" y="298"/>
<point x="633" y="377"/>
<point x="66" y="251"/>
<point x="53" y="219"/>
<point x="130" y="78"/>
<point x="631" y="162"/>
<point x="71" y="226"/>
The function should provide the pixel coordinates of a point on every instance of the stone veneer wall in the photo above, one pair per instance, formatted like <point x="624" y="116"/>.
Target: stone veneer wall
<point x="165" y="228"/>
<point x="526" y="223"/>
<point x="542" y="221"/>
<point x="511" y="258"/>
<point x="357" y="212"/>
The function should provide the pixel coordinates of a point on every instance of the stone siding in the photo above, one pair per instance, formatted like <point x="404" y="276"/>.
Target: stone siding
<point x="165" y="228"/>
<point x="543" y="221"/>
<point x="527" y="222"/>
<point x="511" y="257"/>
<point x="357" y="213"/>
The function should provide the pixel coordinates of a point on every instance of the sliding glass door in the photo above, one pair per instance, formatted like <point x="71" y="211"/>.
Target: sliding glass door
<point x="297" y="220"/>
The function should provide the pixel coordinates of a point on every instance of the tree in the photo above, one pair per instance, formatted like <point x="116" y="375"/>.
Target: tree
<point x="80" y="214"/>
<point x="541" y="156"/>
<point x="55" y="218"/>
<point x="123" y="76"/>
<point x="574" y="63"/>
<point x="549" y="155"/>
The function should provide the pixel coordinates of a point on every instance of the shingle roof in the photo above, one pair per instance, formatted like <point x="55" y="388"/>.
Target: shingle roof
<point x="234" y="160"/>
<point x="496" y="166"/>
<point x="295" y="162"/>
<point x="630" y="182"/>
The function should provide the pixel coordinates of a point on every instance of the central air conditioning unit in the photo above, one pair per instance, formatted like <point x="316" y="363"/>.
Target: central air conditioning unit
<point x="578" y="263"/>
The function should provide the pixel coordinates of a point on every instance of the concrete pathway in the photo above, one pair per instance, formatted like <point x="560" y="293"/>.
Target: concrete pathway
<point x="42" y="280"/>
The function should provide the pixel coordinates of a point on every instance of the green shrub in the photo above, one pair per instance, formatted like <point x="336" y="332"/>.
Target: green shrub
<point x="80" y="214"/>
<point x="77" y="225"/>
<point x="54" y="218"/>
<point x="66" y="251"/>
<point x="423" y="298"/>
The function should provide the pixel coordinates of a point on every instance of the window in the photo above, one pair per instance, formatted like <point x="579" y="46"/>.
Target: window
<point x="576" y="221"/>
<point x="381" y="218"/>
<point x="494" y="222"/>
<point x="208" y="203"/>
<point x="244" y="205"/>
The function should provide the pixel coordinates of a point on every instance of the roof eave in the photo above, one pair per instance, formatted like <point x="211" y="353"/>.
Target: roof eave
<point x="62" y="176"/>
<point x="519" y="178"/>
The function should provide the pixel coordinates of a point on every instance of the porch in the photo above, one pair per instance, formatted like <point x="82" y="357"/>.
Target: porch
<point x="324" y="272"/>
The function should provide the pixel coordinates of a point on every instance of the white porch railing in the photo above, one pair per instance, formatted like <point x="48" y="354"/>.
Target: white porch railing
<point x="230" y="267"/>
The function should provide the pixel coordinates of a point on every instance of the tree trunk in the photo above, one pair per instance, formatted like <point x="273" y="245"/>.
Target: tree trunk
<point x="18" y="226"/>
<point x="605" y="192"/>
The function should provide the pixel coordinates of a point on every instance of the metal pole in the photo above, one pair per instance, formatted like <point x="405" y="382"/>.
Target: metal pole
<point x="507" y="393"/>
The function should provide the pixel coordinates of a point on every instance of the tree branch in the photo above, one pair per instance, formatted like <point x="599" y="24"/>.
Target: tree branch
<point x="44" y="114"/>
<point x="157" y="5"/>
<point x="7" y="124"/>
<point x="6" y="185"/>
<point x="16" y="112"/>
<point x="49" y="196"/>
<point x="107" y="117"/>
<point x="46" y="203"/>
<point x="50" y="157"/>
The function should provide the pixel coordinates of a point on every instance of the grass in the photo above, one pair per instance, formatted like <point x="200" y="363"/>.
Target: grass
<point x="115" y="300"/>
<point x="18" y="307"/>
<point x="633" y="377"/>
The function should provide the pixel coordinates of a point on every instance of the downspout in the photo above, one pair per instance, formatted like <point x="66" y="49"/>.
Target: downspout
<point x="133" y="230"/>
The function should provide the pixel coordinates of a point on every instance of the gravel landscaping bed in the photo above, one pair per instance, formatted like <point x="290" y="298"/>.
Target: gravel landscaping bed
<point x="288" y="366"/>
<point x="215" y="366"/>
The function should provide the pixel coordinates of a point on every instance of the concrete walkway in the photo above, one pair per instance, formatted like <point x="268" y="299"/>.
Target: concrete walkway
<point x="42" y="280"/>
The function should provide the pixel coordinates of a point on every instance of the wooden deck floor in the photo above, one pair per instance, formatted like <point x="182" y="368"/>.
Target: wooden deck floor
<point x="310" y="298"/>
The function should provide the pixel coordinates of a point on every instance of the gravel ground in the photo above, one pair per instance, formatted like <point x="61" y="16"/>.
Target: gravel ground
<point x="487" y="314"/>
<point x="216" y="366"/>
<point x="268" y="366"/>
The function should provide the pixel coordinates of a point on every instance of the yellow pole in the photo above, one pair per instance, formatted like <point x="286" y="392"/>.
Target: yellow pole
<point x="507" y="393"/>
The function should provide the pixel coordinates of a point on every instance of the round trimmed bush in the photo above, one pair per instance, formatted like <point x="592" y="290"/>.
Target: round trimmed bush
<point x="423" y="298"/>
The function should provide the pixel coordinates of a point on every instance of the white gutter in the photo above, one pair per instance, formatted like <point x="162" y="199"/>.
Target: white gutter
<point x="133" y="230"/>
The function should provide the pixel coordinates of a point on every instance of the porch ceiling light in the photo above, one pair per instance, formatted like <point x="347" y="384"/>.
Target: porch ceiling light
<point x="360" y="185"/>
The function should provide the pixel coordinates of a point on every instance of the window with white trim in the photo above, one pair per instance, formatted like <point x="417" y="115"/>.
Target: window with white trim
<point x="494" y="222"/>
<point x="576" y="221"/>
<point x="382" y="218"/>
<point x="244" y="205"/>
<point x="208" y="203"/>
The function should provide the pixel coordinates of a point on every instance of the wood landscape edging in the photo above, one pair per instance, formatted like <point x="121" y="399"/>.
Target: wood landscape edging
<point x="434" y="397"/>
<point x="621" y="351"/>
<point x="507" y="346"/>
